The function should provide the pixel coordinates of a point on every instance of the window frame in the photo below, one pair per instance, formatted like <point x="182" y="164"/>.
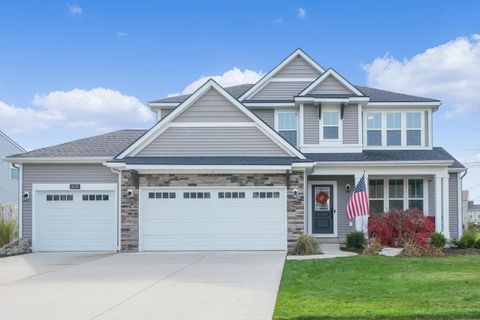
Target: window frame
<point x="394" y="128"/>
<point x="322" y="125"/>
<point x="374" y="129"/>
<point x="407" y="129"/>
<point x="297" y="123"/>
<point x="17" y="170"/>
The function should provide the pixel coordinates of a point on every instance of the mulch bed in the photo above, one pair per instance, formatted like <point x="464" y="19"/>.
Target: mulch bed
<point x="461" y="252"/>
<point x="359" y="250"/>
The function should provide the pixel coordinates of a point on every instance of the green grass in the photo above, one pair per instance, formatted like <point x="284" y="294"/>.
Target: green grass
<point x="380" y="287"/>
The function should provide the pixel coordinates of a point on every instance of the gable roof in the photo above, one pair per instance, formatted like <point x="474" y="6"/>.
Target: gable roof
<point x="297" y="53"/>
<point x="330" y="73"/>
<point x="162" y="125"/>
<point x="13" y="143"/>
<point x="235" y="91"/>
<point x="104" y="145"/>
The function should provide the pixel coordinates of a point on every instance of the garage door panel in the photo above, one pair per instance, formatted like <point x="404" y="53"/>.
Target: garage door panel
<point x="73" y="223"/>
<point x="215" y="223"/>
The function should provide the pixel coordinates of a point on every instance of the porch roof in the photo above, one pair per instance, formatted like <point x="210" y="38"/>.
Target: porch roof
<point x="190" y="160"/>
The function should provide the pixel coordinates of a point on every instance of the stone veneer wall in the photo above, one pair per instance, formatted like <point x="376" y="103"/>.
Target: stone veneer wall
<point x="129" y="214"/>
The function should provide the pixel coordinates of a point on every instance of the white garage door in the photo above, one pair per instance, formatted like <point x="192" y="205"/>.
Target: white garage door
<point x="76" y="220"/>
<point x="212" y="219"/>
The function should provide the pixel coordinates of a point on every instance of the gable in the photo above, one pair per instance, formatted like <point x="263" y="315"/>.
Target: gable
<point x="8" y="146"/>
<point x="330" y="86"/>
<point x="281" y="90"/>
<point x="211" y="123"/>
<point x="298" y="68"/>
<point x="212" y="107"/>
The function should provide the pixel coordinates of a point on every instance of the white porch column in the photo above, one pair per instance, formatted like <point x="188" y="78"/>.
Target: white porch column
<point x="361" y="223"/>
<point x="438" y="203"/>
<point x="446" y="207"/>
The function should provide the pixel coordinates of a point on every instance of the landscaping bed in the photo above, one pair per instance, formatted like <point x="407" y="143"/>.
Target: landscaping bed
<point x="377" y="287"/>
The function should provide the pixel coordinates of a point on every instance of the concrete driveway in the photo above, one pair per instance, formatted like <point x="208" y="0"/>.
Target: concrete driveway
<point x="180" y="285"/>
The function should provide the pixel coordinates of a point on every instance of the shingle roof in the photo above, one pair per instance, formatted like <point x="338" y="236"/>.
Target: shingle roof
<point x="105" y="145"/>
<point x="210" y="160"/>
<point x="435" y="154"/>
<point x="376" y="95"/>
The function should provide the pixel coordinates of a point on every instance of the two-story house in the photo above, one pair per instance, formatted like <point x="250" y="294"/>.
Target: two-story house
<point x="241" y="168"/>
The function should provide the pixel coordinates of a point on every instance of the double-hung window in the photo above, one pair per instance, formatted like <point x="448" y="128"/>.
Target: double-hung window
<point x="415" y="194"/>
<point x="374" y="128"/>
<point x="331" y="125"/>
<point x="395" y="194"/>
<point x="287" y="126"/>
<point x="394" y="128"/>
<point x="376" y="192"/>
<point x="414" y="128"/>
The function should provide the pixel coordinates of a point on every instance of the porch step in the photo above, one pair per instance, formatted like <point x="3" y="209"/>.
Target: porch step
<point x="329" y="247"/>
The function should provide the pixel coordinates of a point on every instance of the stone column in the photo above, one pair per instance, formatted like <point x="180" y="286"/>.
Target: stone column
<point x="129" y="213"/>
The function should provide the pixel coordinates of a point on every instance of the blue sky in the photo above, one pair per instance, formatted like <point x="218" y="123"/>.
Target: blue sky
<point x="143" y="50"/>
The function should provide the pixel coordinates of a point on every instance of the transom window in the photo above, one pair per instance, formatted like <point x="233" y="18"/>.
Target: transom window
<point x="374" y="128"/>
<point x="414" y="128"/>
<point x="287" y="126"/>
<point x="331" y="125"/>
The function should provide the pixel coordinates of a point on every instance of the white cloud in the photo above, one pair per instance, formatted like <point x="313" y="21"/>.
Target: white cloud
<point x="231" y="77"/>
<point x="99" y="109"/>
<point x="75" y="10"/>
<point x="450" y="72"/>
<point x="121" y="34"/>
<point x="301" y="13"/>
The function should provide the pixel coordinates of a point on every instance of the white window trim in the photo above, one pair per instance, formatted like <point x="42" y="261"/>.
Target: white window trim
<point x="340" y="124"/>
<point x="296" y="111"/>
<point x="10" y="173"/>
<point x="394" y="129"/>
<point x="403" y="129"/>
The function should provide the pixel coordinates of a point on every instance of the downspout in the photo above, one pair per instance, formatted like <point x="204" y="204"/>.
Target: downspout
<point x="460" y="205"/>
<point x="119" y="208"/>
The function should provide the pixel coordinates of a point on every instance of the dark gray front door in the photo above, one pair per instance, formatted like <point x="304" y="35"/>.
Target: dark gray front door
<point x="322" y="208"/>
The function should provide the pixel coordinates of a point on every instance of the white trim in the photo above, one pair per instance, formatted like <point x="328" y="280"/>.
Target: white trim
<point x="210" y="124"/>
<point x="403" y="104"/>
<point x="277" y="112"/>
<point x="337" y="76"/>
<point x="203" y="168"/>
<point x="20" y="201"/>
<point x="63" y="187"/>
<point x="163" y="125"/>
<point x="257" y="86"/>
<point x="441" y="163"/>
<point x="308" y="204"/>
<point x="58" y="160"/>
<point x="336" y="147"/>
<point x="459" y="205"/>
<point x="360" y="125"/>
<point x="446" y="206"/>
<point x="162" y="104"/>
<point x="301" y="120"/>
<point x="331" y="142"/>
<point x="268" y="104"/>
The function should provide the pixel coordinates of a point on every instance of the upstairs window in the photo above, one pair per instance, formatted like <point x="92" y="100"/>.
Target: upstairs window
<point x="414" y="128"/>
<point x="331" y="125"/>
<point x="394" y="128"/>
<point x="374" y="128"/>
<point x="287" y="126"/>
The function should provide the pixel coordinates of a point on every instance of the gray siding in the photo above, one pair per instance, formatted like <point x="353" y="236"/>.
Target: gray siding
<point x="212" y="107"/>
<point x="298" y="68"/>
<point x="212" y="141"/>
<point x="427" y="130"/>
<point x="453" y="205"/>
<point x="164" y="113"/>
<point x="59" y="173"/>
<point x="311" y="124"/>
<point x="431" y="197"/>
<point x="8" y="187"/>
<point x="284" y="90"/>
<point x="343" y="227"/>
<point x="350" y="124"/>
<point x="267" y="115"/>
<point x="330" y="86"/>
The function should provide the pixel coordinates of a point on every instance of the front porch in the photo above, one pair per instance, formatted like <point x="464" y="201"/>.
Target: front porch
<point x="431" y="189"/>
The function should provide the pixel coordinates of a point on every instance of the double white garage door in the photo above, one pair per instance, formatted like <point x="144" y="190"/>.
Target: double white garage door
<point x="170" y="219"/>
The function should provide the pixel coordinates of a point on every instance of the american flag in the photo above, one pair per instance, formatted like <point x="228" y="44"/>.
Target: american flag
<point x="358" y="204"/>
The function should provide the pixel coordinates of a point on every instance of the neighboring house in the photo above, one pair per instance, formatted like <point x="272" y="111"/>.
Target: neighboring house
<point x="240" y="168"/>
<point x="471" y="211"/>
<point x="9" y="174"/>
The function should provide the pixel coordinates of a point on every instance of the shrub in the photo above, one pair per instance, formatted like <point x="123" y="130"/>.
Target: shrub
<point x="413" y="249"/>
<point x="393" y="227"/>
<point x="306" y="245"/>
<point x="437" y="240"/>
<point x="468" y="239"/>
<point x="477" y="244"/>
<point x="8" y="223"/>
<point x="372" y="247"/>
<point x="355" y="240"/>
<point x="436" y="251"/>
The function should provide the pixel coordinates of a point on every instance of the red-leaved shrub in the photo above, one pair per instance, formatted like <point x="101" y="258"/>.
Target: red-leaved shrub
<point x="393" y="227"/>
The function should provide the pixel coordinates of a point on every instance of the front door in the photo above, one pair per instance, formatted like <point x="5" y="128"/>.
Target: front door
<point x="322" y="209"/>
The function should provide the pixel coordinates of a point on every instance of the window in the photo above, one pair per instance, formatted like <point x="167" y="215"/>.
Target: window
<point x="13" y="172"/>
<point x="331" y="124"/>
<point x="288" y="126"/>
<point x="394" y="128"/>
<point x="196" y="195"/>
<point x="162" y="195"/>
<point x="59" y="197"/>
<point x="415" y="193"/>
<point x="231" y="195"/>
<point x="266" y="195"/>
<point x="376" y="192"/>
<point x="374" y="128"/>
<point x="395" y="194"/>
<point x="95" y="197"/>
<point x="414" y="128"/>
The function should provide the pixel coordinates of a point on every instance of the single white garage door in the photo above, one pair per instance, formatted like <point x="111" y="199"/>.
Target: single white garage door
<point x="75" y="220"/>
<point x="213" y="219"/>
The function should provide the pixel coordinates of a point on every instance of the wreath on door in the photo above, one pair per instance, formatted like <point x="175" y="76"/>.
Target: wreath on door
<point x="322" y="197"/>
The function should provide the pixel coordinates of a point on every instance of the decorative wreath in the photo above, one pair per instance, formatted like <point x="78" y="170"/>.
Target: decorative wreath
<point x="322" y="197"/>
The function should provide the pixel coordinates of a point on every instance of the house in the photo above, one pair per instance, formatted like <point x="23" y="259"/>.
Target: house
<point x="8" y="172"/>
<point x="471" y="210"/>
<point x="249" y="167"/>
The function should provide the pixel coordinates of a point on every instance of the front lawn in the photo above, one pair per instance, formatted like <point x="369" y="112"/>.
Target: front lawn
<point x="380" y="287"/>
